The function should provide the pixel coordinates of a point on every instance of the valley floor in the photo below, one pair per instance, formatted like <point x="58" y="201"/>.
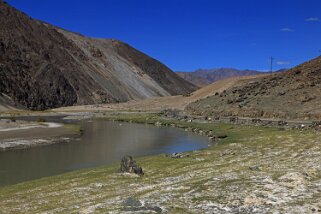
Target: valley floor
<point x="252" y="170"/>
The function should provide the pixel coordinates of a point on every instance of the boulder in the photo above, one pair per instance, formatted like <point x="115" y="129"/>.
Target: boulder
<point x="128" y="164"/>
<point x="178" y="155"/>
<point x="133" y="205"/>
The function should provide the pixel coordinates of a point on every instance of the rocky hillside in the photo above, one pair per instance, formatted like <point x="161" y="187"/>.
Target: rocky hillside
<point x="42" y="66"/>
<point x="203" y="77"/>
<point x="294" y="94"/>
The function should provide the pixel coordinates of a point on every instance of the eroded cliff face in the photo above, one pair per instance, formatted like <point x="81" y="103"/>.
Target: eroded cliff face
<point x="42" y="67"/>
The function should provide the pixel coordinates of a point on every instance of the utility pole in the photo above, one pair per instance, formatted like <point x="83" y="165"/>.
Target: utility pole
<point x="271" y="65"/>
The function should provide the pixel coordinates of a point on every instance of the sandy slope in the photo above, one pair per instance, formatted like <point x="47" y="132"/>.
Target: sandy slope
<point x="174" y="102"/>
<point x="6" y="104"/>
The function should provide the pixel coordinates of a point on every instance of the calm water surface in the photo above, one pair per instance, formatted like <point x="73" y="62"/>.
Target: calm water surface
<point x="103" y="142"/>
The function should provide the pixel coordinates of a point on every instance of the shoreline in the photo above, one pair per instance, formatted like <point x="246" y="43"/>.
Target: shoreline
<point x="172" y="118"/>
<point x="18" y="134"/>
<point x="45" y="125"/>
<point x="17" y="144"/>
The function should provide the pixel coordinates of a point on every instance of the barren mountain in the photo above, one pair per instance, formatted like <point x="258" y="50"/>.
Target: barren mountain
<point x="42" y="66"/>
<point x="203" y="77"/>
<point x="294" y="94"/>
<point x="162" y="103"/>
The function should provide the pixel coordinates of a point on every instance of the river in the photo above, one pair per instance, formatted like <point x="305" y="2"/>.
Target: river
<point x="103" y="142"/>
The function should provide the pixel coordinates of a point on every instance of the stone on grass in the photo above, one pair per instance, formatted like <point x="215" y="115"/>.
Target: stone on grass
<point x="178" y="155"/>
<point x="132" y="202"/>
<point x="254" y="168"/>
<point x="129" y="165"/>
<point x="134" y="205"/>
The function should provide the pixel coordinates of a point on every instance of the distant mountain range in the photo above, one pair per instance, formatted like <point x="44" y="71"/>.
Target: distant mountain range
<point x="43" y="66"/>
<point x="203" y="77"/>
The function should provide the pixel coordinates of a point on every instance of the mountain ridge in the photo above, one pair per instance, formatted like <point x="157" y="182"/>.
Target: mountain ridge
<point x="203" y="77"/>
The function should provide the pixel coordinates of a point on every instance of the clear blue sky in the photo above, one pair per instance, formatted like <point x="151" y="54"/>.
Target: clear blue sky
<point x="191" y="34"/>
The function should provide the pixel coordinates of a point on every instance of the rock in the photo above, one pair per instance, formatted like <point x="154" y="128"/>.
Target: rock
<point x="315" y="124"/>
<point x="227" y="152"/>
<point x="158" y="123"/>
<point x="208" y="118"/>
<point x="171" y="113"/>
<point x="254" y="168"/>
<point x="233" y="119"/>
<point x="178" y="155"/>
<point x="134" y="205"/>
<point x="256" y="121"/>
<point x="128" y="164"/>
<point x="222" y="136"/>
<point x="282" y="123"/>
<point x="199" y="159"/>
<point x="295" y="180"/>
<point x="132" y="202"/>
<point x="209" y="133"/>
<point x="281" y="93"/>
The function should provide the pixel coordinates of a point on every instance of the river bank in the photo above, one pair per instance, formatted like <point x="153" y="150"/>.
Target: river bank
<point x="252" y="170"/>
<point x="20" y="134"/>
